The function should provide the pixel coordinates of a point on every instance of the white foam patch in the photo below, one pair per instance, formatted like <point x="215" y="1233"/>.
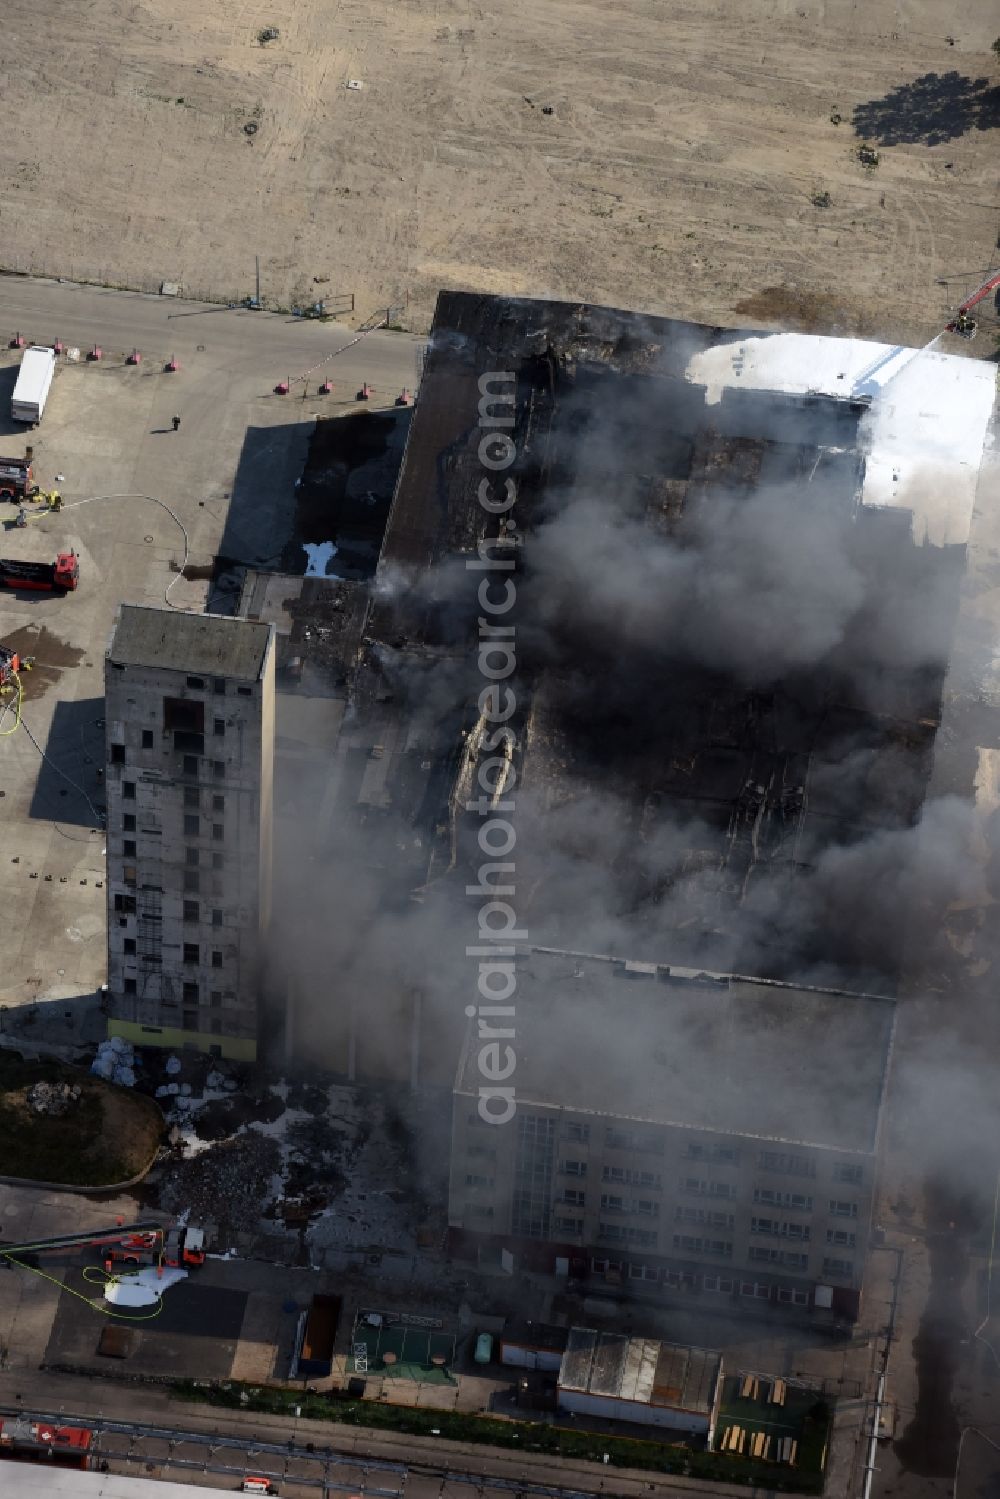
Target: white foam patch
<point x="924" y="432"/>
<point x="144" y="1288"/>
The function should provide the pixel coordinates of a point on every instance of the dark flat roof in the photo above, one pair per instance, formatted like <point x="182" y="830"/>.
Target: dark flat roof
<point x="539" y="1335"/>
<point x="179" y="640"/>
<point x="318" y="623"/>
<point x="714" y="1052"/>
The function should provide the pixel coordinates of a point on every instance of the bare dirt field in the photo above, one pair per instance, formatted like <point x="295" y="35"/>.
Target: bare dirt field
<point x="650" y="153"/>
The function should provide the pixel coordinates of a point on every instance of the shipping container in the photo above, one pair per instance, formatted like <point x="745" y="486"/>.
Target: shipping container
<point x="34" y="380"/>
<point x="315" y="1359"/>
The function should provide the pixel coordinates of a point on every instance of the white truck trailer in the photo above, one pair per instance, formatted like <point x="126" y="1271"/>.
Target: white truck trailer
<point x="34" y="380"/>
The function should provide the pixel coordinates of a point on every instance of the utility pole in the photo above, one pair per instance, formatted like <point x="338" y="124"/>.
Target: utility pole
<point x="257" y="265"/>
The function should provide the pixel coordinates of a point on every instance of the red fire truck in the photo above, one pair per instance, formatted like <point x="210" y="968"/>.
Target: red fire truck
<point x="60" y="576"/>
<point x="27" y="1441"/>
<point x="16" y="479"/>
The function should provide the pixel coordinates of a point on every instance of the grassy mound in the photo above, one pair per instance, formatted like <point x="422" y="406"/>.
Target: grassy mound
<point x="108" y="1136"/>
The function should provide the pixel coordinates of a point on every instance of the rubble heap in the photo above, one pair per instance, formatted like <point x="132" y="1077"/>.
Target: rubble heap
<point x="231" y="1183"/>
<point x="52" y="1098"/>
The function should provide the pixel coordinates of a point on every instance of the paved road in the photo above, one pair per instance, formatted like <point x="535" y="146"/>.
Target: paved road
<point x="142" y="1430"/>
<point x="43" y="311"/>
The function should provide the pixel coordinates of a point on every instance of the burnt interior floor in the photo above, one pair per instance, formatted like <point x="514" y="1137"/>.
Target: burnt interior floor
<point x="670" y="806"/>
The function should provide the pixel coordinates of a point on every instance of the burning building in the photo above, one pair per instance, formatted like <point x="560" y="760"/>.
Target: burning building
<point x="674" y="604"/>
<point x="701" y="1131"/>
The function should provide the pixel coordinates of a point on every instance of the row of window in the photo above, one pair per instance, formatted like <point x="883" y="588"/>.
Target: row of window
<point x="618" y="1139"/>
<point x="773" y="1227"/>
<point x="723" y="1154"/>
<point x="795" y="1201"/>
<point x="192" y="799"/>
<point x="691" y="1244"/>
<point x="778" y="1229"/>
<point x="641" y="1141"/>
<point x="612" y="1203"/>
<point x="191" y="954"/>
<point x="786" y="1295"/>
<point x="719" y="1284"/>
<point x="192" y="858"/>
<point x="192" y="995"/>
<point x="576" y="1197"/>
<point x="148" y="743"/>
<point x="129" y="826"/>
<point x="624" y="1233"/>
<point x="781" y="1163"/>
<point x="192" y="794"/>
<point x="698" y="1186"/>
<point x="705" y="1217"/>
<point x="192" y="827"/>
<point x="191" y="909"/>
<point x="789" y="1259"/>
<point x="192" y="881"/>
<point x="771" y="1197"/>
<point x="631" y="1178"/>
<point x="644" y="1141"/>
<point x="615" y="1233"/>
<point x="698" y="1244"/>
<point x="193" y="913"/>
<point x="190" y="766"/>
<point x="126" y="904"/>
<point x="778" y="1162"/>
<point x="197" y="684"/>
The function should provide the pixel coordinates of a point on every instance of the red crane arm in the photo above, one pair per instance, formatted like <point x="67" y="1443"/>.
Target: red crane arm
<point x="984" y="291"/>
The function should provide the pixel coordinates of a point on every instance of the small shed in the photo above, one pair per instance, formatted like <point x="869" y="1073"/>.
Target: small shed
<point x="533" y="1345"/>
<point x="617" y="1377"/>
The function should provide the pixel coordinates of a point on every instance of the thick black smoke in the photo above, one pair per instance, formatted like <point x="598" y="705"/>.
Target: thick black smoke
<point x="728" y="678"/>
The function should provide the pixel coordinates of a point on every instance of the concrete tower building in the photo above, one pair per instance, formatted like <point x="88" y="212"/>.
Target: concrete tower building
<point x="190" y="745"/>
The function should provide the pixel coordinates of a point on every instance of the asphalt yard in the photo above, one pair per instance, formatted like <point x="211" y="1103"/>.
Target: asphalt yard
<point x="139" y="500"/>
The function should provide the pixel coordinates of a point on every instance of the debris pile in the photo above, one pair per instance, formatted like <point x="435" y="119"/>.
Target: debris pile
<point x="52" y="1098"/>
<point x="174" y="1090"/>
<point x="115" y="1062"/>
<point x="230" y="1183"/>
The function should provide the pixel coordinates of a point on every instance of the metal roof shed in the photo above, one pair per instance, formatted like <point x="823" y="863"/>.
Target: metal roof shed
<point x="620" y="1378"/>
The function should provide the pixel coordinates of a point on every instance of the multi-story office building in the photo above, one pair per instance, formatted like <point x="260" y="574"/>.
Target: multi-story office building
<point x="702" y="1132"/>
<point x="190" y="744"/>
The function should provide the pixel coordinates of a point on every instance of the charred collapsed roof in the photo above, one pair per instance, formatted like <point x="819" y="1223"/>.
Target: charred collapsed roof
<point x="680" y="731"/>
<point x="576" y="369"/>
<point x="728" y="662"/>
